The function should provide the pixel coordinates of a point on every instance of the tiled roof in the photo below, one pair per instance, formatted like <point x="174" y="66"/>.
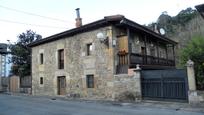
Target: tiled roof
<point x="108" y="20"/>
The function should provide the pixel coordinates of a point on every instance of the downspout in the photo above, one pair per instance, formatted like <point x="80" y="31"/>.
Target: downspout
<point x="31" y="89"/>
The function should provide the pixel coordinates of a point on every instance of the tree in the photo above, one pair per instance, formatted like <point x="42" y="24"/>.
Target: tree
<point x="185" y="15"/>
<point x="21" y="53"/>
<point x="173" y="24"/>
<point x="195" y="51"/>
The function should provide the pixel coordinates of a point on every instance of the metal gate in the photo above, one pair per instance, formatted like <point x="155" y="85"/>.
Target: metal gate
<point x="164" y="84"/>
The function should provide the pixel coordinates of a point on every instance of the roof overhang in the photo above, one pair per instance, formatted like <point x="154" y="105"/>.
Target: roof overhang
<point x="146" y="30"/>
<point x="200" y="9"/>
<point x="71" y="32"/>
<point x="108" y="20"/>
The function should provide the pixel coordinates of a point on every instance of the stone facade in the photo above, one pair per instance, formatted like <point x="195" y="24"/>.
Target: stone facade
<point x="127" y="87"/>
<point x="0" y="85"/>
<point x="77" y="65"/>
<point x="90" y="65"/>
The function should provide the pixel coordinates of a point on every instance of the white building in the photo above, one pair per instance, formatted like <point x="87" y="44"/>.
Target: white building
<point x="3" y="65"/>
<point x="3" y="52"/>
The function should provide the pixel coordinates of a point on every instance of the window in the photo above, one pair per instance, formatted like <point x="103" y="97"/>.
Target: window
<point x="61" y="59"/>
<point x="41" y="58"/>
<point x="89" y="49"/>
<point x="90" y="81"/>
<point x="41" y="80"/>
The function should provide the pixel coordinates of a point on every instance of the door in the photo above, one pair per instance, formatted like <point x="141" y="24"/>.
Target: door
<point x="61" y="85"/>
<point x="123" y="57"/>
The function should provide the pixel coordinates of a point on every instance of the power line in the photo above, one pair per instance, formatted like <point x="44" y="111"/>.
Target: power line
<point x="33" y="14"/>
<point x="46" y="26"/>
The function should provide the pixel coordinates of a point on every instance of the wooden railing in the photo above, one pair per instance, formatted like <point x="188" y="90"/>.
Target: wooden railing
<point x="123" y="64"/>
<point x="126" y="60"/>
<point x="150" y="60"/>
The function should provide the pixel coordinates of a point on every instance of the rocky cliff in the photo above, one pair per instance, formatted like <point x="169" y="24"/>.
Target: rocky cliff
<point x="181" y="28"/>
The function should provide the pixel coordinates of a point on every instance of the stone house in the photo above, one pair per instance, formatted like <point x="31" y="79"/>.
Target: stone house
<point x="83" y="61"/>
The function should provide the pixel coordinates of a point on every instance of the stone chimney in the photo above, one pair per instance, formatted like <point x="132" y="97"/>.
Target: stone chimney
<point x="78" y="19"/>
<point x="155" y="28"/>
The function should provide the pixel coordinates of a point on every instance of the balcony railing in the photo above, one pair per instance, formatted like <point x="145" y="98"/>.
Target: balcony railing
<point x="150" y="60"/>
<point x="131" y="60"/>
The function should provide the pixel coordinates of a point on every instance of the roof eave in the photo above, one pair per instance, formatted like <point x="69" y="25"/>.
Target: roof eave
<point x="200" y="9"/>
<point x="87" y="27"/>
<point x="146" y="30"/>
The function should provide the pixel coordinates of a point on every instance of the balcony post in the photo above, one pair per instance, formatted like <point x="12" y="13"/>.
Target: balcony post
<point x="167" y="61"/>
<point x="173" y="54"/>
<point x="145" y="43"/>
<point x="129" y="48"/>
<point x="157" y="46"/>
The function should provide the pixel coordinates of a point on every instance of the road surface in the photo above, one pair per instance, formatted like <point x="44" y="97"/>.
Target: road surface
<point x="29" y="105"/>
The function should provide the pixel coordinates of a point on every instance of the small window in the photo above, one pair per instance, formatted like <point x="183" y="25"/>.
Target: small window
<point x="61" y="59"/>
<point x="41" y="58"/>
<point x="41" y="80"/>
<point x="90" y="81"/>
<point x="89" y="49"/>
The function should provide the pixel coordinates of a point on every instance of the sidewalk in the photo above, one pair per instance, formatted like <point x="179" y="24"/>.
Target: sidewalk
<point x="172" y="105"/>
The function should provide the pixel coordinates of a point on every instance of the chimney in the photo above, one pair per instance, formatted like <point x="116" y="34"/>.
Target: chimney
<point x="155" y="28"/>
<point x="78" y="19"/>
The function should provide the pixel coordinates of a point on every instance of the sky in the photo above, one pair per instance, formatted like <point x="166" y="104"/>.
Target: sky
<point x="49" y="17"/>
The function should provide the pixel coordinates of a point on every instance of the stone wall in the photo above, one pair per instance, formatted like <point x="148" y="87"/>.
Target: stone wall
<point x="195" y="97"/>
<point x="77" y="65"/>
<point x="201" y="96"/>
<point x="0" y="85"/>
<point x="127" y="87"/>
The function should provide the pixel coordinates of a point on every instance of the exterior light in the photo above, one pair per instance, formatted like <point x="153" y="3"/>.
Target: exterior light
<point x="100" y="36"/>
<point x="103" y="38"/>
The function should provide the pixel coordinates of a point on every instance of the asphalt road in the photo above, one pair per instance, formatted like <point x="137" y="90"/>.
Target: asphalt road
<point x="28" y="105"/>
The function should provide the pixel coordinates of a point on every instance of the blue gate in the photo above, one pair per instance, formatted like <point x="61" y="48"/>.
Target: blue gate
<point x="164" y="84"/>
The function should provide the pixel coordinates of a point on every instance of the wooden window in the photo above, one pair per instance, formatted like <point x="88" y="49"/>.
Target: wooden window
<point x="41" y="80"/>
<point x="61" y="59"/>
<point x="90" y="81"/>
<point x="123" y="43"/>
<point x="41" y="58"/>
<point x="89" y="49"/>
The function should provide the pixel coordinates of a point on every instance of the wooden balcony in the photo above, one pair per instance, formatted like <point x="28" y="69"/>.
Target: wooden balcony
<point x="149" y="60"/>
<point x="130" y="60"/>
